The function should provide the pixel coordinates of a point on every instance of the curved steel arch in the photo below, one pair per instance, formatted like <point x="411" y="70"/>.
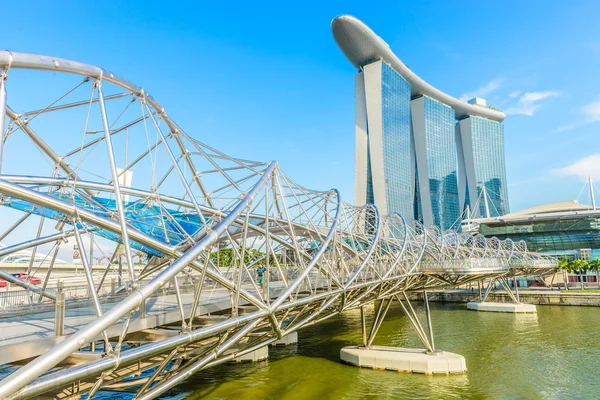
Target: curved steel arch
<point x="189" y="204"/>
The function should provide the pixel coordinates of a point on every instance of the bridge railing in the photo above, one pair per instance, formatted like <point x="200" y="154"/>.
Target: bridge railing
<point x="75" y="295"/>
<point x="543" y="263"/>
<point x="19" y="299"/>
<point x="464" y="265"/>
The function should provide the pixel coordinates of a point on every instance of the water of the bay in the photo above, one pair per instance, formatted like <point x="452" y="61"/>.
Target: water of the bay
<point x="552" y="355"/>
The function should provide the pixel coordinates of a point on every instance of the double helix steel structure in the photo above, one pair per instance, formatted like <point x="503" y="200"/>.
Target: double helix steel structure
<point x="91" y="159"/>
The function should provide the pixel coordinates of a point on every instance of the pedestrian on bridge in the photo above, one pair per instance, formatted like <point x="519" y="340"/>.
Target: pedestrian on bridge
<point x="259" y="274"/>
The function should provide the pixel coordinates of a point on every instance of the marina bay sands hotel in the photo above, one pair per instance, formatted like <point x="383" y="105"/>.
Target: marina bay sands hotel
<point x="420" y="152"/>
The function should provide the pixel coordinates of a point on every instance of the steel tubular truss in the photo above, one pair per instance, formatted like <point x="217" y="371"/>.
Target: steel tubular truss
<point x="98" y="162"/>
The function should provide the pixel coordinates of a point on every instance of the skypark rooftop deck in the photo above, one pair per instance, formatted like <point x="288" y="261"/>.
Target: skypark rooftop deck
<point x="361" y="46"/>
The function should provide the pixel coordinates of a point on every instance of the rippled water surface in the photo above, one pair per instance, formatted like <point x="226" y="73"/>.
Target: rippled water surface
<point x="552" y="355"/>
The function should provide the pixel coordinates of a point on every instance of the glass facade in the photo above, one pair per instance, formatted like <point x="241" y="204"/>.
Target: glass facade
<point x="392" y="163"/>
<point x="440" y="142"/>
<point x="397" y="142"/>
<point x="489" y="165"/>
<point x="551" y="236"/>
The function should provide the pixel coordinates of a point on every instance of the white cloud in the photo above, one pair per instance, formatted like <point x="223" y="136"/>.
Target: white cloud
<point x="514" y="94"/>
<point x="537" y="96"/>
<point x="591" y="112"/>
<point x="482" y="91"/>
<point x="583" y="168"/>
<point x="530" y="102"/>
<point x="569" y="127"/>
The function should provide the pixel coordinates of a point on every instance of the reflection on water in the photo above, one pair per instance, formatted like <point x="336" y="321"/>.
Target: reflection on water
<point x="552" y="355"/>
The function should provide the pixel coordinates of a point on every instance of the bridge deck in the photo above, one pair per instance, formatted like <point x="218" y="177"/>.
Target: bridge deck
<point x="28" y="336"/>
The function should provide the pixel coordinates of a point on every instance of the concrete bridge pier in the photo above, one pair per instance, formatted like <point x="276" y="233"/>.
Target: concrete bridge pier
<point x="514" y="307"/>
<point x="427" y="361"/>
<point x="287" y="340"/>
<point x="260" y="354"/>
<point x="256" y="354"/>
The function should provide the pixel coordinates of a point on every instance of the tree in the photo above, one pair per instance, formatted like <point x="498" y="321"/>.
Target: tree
<point x="225" y="257"/>
<point x="585" y="267"/>
<point x="580" y="267"/>
<point x="565" y="267"/>
<point x="594" y="266"/>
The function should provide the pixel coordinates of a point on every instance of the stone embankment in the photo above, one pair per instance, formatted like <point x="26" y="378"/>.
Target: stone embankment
<point x="538" y="297"/>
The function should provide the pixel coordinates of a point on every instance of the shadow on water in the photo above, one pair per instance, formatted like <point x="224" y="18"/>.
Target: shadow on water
<point x="551" y="355"/>
<point x="311" y="369"/>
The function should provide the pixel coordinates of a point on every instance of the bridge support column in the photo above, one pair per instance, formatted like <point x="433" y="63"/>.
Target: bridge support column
<point x="509" y="307"/>
<point x="404" y="360"/>
<point x="59" y="311"/>
<point x="260" y="354"/>
<point x="290" y="338"/>
<point x="427" y="361"/>
<point x="502" y="307"/>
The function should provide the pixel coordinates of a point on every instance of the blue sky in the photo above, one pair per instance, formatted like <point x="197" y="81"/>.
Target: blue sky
<point x="267" y="81"/>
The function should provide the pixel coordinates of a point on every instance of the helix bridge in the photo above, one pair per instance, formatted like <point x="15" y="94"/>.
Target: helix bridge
<point x="89" y="159"/>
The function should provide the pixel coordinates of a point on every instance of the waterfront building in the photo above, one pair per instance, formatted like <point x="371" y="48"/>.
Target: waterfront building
<point x="562" y="229"/>
<point x="385" y="162"/>
<point x="436" y="160"/>
<point x="22" y="258"/>
<point x="419" y="152"/>
<point x="480" y="143"/>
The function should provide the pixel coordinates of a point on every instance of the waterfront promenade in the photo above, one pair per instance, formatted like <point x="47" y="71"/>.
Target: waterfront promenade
<point x="537" y="296"/>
